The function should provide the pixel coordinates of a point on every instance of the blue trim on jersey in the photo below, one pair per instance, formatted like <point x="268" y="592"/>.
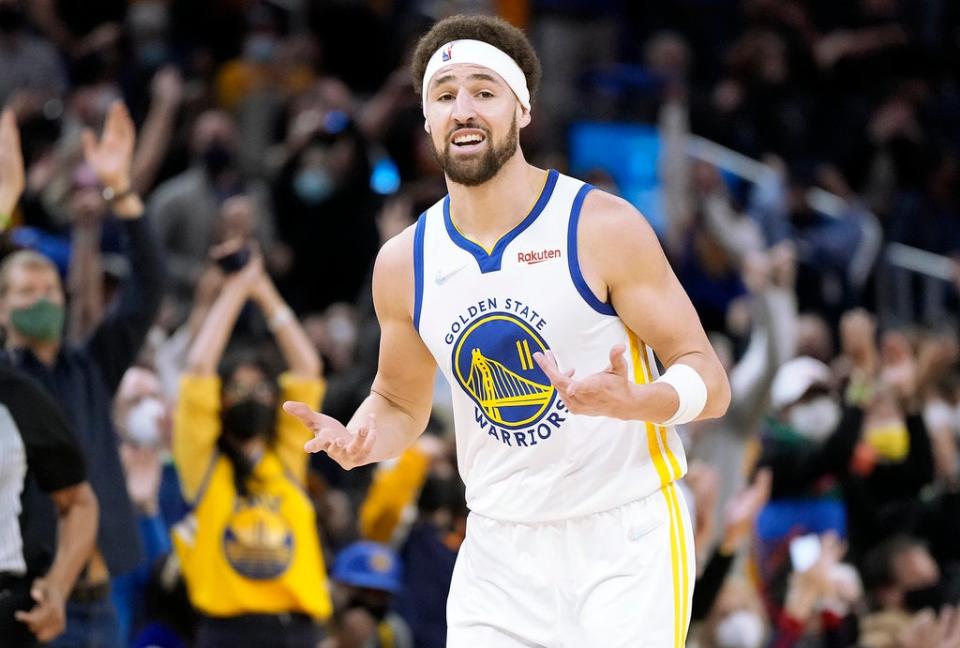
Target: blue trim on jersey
<point x="418" y="269"/>
<point x="573" y="259"/>
<point x="491" y="262"/>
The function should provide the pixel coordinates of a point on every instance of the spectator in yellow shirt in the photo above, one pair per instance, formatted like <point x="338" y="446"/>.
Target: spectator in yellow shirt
<point x="249" y="551"/>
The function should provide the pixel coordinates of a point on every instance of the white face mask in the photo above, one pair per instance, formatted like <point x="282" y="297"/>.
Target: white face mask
<point x="742" y="629"/>
<point x="938" y="415"/>
<point x="143" y="422"/>
<point x="815" y="420"/>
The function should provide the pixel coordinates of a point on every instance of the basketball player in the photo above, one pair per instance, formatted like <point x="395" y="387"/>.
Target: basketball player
<point x="542" y="301"/>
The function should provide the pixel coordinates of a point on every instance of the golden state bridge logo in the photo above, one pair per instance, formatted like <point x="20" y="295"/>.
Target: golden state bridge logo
<point x="493" y="362"/>
<point x="258" y="541"/>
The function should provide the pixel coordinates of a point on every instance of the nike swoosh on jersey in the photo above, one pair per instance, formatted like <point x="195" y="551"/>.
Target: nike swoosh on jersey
<point x="443" y="277"/>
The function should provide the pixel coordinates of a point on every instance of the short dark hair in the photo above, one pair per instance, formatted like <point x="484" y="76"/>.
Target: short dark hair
<point x="489" y="29"/>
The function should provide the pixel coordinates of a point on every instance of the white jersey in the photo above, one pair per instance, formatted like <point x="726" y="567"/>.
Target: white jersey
<point x="522" y="455"/>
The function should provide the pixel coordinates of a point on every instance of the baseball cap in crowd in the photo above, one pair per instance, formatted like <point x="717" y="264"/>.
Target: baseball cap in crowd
<point x="369" y="564"/>
<point x="795" y="378"/>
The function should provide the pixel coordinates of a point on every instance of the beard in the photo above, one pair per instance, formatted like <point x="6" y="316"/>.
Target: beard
<point x="479" y="169"/>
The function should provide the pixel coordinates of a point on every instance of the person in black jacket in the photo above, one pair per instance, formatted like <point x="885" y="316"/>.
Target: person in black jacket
<point x="84" y="378"/>
<point x="38" y="453"/>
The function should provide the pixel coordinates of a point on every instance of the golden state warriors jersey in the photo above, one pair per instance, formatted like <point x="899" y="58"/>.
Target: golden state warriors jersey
<point x="483" y="314"/>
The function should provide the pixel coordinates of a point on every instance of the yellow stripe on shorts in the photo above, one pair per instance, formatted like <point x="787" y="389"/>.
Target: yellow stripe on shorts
<point x="658" y="447"/>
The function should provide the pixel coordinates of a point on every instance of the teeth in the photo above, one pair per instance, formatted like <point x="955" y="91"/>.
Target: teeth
<point x="467" y="139"/>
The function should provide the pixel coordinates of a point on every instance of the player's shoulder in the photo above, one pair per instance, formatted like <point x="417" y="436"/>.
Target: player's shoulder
<point x="610" y="220"/>
<point x="393" y="273"/>
<point x="397" y="253"/>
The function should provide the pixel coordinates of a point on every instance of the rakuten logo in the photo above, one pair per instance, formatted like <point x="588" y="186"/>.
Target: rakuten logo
<point x="537" y="257"/>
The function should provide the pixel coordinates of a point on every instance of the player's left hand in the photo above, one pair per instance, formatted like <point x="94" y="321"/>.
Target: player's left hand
<point x="606" y="393"/>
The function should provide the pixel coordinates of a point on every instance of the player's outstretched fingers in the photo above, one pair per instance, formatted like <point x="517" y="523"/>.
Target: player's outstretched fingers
<point x="303" y="412"/>
<point x="362" y="443"/>
<point x="618" y="364"/>
<point x="548" y="364"/>
<point x="320" y="441"/>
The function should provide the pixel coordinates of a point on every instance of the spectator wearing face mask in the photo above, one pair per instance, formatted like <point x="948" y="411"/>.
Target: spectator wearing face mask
<point x="142" y="419"/>
<point x="323" y="194"/>
<point x="810" y="438"/>
<point x="894" y="460"/>
<point x="27" y="62"/>
<point x="903" y="577"/>
<point x="808" y="444"/>
<point x="368" y="576"/>
<point x="250" y="552"/>
<point x="84" y="377"/>
<point x="187" y="205"/>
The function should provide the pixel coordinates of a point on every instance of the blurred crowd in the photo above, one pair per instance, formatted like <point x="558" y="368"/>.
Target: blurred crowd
<point x="192" y="194"/>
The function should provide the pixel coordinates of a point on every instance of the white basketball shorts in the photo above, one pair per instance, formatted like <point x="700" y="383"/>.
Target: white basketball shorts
<point x="623" y="577"/>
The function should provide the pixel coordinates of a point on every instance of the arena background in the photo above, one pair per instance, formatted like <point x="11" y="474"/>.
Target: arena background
<point x="797" y="158"/>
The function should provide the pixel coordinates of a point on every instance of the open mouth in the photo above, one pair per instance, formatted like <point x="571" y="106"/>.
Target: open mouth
<point x="467" y="138"/>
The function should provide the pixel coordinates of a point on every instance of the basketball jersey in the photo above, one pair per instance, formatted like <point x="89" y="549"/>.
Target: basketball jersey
<point x="483" y="314"/>
<point x="254" y="555"/>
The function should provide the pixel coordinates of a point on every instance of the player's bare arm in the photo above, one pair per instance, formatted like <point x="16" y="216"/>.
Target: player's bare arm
<point x="398" y="407"/>
<point x="623" y="264"/>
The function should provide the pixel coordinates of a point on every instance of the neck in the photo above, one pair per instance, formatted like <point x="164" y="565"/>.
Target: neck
<point x="486" y="212"/>
<point x="46" y="352"/>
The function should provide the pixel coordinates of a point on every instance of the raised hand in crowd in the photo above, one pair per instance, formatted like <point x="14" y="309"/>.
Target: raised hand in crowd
<point x="810" y="588"/>
<point x="740" y="515"/>
<point x="858" y="330"/>
<point x="898" y="370"/>
<point x="156" y="134"/>
<point x="111" y="158"/>
<point x="143" y="467"/>
<point x="11" y="167"/>
<point x="933" y="630"/>
<point x="704" y="483"/>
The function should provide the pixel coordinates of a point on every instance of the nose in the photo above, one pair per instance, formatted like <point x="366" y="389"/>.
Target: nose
<point x="463" y="108"/>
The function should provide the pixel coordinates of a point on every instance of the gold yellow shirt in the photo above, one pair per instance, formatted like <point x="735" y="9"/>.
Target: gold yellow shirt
<point x="255" y="555"/>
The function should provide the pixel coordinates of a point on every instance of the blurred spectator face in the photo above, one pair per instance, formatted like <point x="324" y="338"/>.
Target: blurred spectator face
<point x="907" y="577"/>
<point x="667" y="54"/>
<point x="140" y="413"/>
<point x="737" y="620"/>
<point x="237" y="219"/>
<point x="473" y="122"/>
<point x="802" y="396"/>
<point x="260" y="46"/>
<point x="368" y="574"/>
<point x="917" y="578"/>
<point x="147" y="24"/>
<point x="214" y="141"/>
<point x="322" y="169"/>
<point x="261" y="42"/>
<point x="249" y="404"/>
<point x="334" y="334"/>
<point x="813" y="338"/>
<point x="31" y="298"/>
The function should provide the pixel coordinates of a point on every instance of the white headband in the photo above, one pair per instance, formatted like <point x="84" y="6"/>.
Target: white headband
<point x="477" y="53"/>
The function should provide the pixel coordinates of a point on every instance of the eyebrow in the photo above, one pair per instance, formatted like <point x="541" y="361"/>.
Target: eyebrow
<point x="476" y="76"/>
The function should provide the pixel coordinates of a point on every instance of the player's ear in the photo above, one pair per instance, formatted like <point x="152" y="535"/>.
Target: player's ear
<point x="524" y="119"/>
<point x="426" y="126"/>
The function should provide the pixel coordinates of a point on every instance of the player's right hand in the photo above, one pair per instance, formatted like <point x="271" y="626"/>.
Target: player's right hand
<point x="348" y="447"/>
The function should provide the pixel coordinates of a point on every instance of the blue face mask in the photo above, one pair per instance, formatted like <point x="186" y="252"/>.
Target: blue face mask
<point x="313" y="186"/>
<point x="259" y="48"/>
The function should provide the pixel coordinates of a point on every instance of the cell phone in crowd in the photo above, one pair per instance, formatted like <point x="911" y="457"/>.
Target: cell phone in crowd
<point x="235" y="261"/>
<point x="804" y="551"/>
